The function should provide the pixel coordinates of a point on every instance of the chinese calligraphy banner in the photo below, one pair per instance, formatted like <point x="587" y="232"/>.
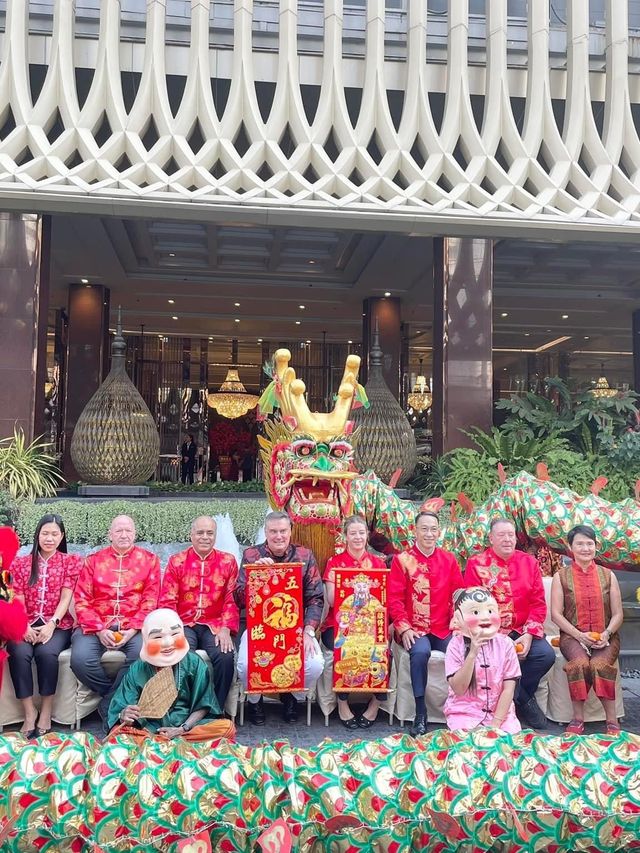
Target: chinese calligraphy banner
<point x="361" y="644"/>
<point x="275" y="626"/>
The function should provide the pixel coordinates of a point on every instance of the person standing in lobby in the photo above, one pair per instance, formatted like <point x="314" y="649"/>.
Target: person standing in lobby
<point x="198" y="584"/>
<point x="188" y="452"/>
<point x="422" y="581"/>
<point x="515" y="581"/>
<point x="117" y="587"/>
<point x="44" y="581"/>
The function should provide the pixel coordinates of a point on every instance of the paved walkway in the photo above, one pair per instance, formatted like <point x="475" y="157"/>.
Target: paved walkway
<point x="299" y="734"/>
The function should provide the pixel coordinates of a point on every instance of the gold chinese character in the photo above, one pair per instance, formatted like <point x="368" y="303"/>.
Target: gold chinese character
<point x="257" y="632"/>
<point x="279" y="642"/>
<point x="292" y="584"/>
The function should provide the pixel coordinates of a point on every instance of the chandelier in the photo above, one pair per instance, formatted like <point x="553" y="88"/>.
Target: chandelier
<point x="232" y="400"/>
<point x="420" y="398"/>
<point x="602" y="390"/>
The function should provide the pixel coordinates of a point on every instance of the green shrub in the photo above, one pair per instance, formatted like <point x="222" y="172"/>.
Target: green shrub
<point x="159" y="522"/>
<point x="222" y="486"/>
<point x="7" y="508"/>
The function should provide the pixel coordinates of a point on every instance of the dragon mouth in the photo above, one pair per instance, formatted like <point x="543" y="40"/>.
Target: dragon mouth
<point x="309" y="488"/>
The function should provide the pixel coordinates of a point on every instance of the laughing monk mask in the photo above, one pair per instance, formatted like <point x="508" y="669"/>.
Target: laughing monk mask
<point x="168" y="692"/>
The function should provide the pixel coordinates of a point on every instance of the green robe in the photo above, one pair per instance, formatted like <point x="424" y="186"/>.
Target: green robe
<point x="194" y="693"/>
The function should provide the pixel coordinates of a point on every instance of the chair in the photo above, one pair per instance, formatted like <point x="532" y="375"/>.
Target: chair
<point x="436" y="693"/>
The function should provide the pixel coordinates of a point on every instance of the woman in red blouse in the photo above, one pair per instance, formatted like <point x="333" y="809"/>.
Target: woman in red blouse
<point x="356" y="534"/>
<point x="586" y="605"/>
<point x="44" y="581"/>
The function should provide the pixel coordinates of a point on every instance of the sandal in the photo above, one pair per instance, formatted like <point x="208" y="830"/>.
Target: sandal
<point x="613" y="728"/>
<point x="351" y="724"/>
<point x="575" y="727"/>
<point x="41" y="732"/>
<point x="365" y="722"/>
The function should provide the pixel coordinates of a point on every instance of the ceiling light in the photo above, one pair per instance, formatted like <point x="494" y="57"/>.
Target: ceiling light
<point x="301" y="306"/>
<point x="586" y="337"/>
<point x="259" y="340"/>
<point x="527" y="334"/>
<point x="232" y="400"/>
<point x="172" y="254"/>
<point x="237" y="304"/>
<point x="297" y="322"/>
<point x="565" y="316"/>
<point x="174" y="317"/>
<point x="420" y="398"/>
<point x="387" y="293"/>
<point x="312" y="262"/>
<point x="553" y="343"/>
<point x="84" y="280"/>
<point x="171" y="301"/>
<point x="602" y="390"/>
<point x="308" y="342"/>
<point x="236" y="320"/>
<point x="504" y="314"/>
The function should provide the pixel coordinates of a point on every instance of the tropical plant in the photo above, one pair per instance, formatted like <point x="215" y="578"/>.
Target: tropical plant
<point x="28" y="471"/>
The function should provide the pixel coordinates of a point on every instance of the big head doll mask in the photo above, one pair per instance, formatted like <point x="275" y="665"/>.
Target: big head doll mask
<point x="163" y="639"/>
<point x="476" y="613"/>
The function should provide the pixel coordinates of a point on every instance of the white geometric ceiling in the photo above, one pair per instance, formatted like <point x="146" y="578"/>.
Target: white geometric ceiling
<point x="64" y="153"/>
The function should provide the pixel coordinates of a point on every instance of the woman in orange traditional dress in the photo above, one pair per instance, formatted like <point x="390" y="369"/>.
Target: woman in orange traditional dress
<point x="586" y="605"/>
<point x="355" y="556"/>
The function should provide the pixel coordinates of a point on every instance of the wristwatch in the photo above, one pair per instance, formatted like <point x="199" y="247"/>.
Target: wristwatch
<point x="185" y="727"/>
<point x="55" y="621"/>
<point x="310" y="631"/>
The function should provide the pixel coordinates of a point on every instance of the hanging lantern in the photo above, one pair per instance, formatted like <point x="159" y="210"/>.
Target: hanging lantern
<point x="420" y="398"/>
<point x="115" y="441"/>
<point x="602" y="390"/>
<point x="232" y="400"/>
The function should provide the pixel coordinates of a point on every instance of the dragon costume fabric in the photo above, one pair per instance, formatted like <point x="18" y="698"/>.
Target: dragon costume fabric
<point x="13" y="618"/>
<point x="446" y="792"/>
<point x="310" y="473"/>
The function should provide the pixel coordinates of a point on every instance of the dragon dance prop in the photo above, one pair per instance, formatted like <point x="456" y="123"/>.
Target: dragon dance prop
<point x="310" y="473"/>
<point x="445" y="792"/>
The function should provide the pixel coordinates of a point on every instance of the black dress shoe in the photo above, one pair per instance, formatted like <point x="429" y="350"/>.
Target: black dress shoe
<point x="351" y="723"/>
<point x="256" y="713"/>
<point x="365" y="722"/>
<point x="419" y="726"/>
<point x="530" y="714"/>
<point x="289" y="708"/>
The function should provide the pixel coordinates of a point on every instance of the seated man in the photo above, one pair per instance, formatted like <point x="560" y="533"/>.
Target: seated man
<point x="198" y="584"/>
<point x="515" y="581"/>
<point x="422" y="581"/>
<point x="278" y="549"/>
<point x="117" y="587"/>
<point x="193" y="711"/>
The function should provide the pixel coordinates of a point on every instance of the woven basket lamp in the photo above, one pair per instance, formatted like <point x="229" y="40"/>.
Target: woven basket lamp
<point x="385" y="440"/>
<point x="116" y="441"/>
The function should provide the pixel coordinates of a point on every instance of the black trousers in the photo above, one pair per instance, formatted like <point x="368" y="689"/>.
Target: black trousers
<point x="45" y="655"/>
<point x="187" y="472"/>
<point x="223" y="663"/>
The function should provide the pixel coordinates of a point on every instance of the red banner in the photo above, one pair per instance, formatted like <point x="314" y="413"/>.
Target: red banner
<point x="275" y="627"/>
<point x="361" y="644"/>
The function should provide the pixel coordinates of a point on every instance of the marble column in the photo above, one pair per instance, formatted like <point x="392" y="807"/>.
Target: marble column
<point x="462" y="339"/>
<point x="87" y="356"/>
<point x="25" y="240"/>
<point x="386" y="310"/>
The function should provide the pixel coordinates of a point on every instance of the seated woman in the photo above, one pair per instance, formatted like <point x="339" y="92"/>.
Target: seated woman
<point x="481" y="666"/>
<point x="586" y="605"/>
<point x="44" y="582"/>
<point x="192" y="710"/>
<point x="356" y="534"/>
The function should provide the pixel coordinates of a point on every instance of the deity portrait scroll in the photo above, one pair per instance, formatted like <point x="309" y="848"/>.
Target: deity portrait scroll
<point x="361" y="646"/>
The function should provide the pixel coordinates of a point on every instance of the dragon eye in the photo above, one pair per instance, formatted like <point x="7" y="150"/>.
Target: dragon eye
<point x="340" y="450"/>
<point x="303" y="449"/>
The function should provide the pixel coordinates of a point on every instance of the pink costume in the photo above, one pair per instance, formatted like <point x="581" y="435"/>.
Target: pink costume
<point x="496" y="662"/>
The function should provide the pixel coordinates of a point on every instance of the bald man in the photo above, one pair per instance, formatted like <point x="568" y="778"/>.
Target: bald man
<point x="199" y="584"/>
<point x="116" y="589"/>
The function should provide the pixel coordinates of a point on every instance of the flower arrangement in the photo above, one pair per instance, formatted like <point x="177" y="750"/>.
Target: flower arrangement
<point x="224" y="438"/>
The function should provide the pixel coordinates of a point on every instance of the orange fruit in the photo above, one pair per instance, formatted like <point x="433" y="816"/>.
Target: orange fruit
<point x="594" y="635"/>
<point x="519" y="648"/>
<point x="555" y="642"/>
<point x="117" y="636"/>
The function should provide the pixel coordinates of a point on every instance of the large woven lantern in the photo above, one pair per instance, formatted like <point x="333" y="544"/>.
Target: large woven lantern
<point x="385" y="440"/>
<point x="115" y="441"/>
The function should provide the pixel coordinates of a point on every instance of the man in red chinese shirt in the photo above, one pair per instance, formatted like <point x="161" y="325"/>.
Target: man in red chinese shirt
<point x="515" y="581"/>
<point x="117" y="587"/>
<point x="198" y="584"/>
<point x="422" y="581"/>
<point x="279" y="549"/>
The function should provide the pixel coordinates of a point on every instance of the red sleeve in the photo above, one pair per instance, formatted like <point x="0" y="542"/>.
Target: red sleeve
<point x="230" y="615"/>
<point x="88" y="619"/>
<point x="456" y="580"/>
<point x="534" y="623"/>
<point x="397" y="589"/>
<point x="149" y="600"/>
<point x="170" y="587"/>
<point x="19" y="576"/>
<point x="72" y="568"/>
<point x="471" y="576"/>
